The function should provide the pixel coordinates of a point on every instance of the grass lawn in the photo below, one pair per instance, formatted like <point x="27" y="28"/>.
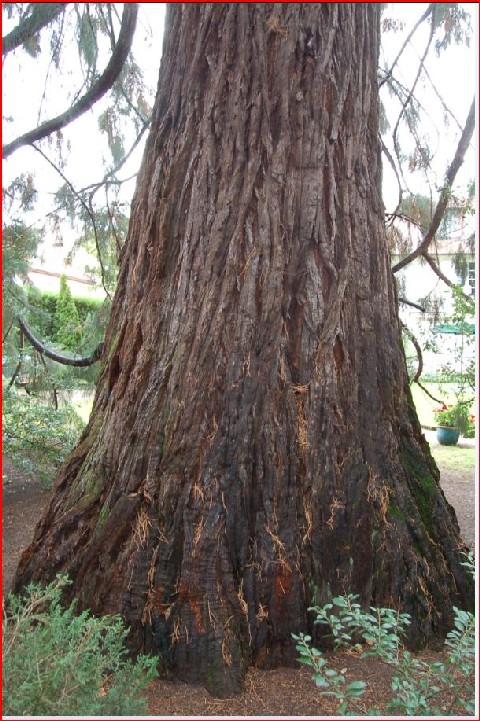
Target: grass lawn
<point x="455" y="457"/>
<point x="82" y="402"/>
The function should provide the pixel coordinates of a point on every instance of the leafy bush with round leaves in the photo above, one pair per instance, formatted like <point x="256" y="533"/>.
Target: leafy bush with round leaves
<point x="37" y="437"/>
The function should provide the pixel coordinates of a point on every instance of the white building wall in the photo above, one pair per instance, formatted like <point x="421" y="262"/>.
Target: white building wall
<point x="56" y="259"/>
<point x="419" y="284"/>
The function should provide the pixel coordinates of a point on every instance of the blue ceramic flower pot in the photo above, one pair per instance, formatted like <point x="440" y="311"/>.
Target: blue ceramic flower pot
<point x="447" y="436"/>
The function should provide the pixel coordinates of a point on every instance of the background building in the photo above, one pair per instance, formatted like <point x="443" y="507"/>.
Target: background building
<point x="443" y="340"/>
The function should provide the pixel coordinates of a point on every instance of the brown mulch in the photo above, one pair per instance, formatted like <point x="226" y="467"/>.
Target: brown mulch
<point x="288" y="692"/>
<point x="23" y="502"/>
<point x="280" y="692"/>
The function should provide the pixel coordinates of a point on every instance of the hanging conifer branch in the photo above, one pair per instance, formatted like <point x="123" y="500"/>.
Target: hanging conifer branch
<point x="412" y="32"/>
<point x="97" y="91"/>
<point x="442" y="275"/>
<point x="93" y="187"/>
<point x="42" y="14"/>
<point x="413" y="305"/>
<point x="445" y="193"/>
<point x="409" y="97"/>
<point x="425" y="390"/>
<point x="88" y="209"/>
<point x="418" y="351"/>
<point x="82" y="362"/>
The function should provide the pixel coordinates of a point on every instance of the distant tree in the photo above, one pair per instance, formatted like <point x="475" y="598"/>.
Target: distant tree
<point x="68" y="332"/>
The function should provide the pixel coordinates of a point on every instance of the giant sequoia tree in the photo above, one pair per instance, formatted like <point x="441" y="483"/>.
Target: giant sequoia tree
<point x="253" y="436"/>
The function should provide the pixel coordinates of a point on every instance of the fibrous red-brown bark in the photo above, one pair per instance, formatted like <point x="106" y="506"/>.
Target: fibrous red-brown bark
<point x="253" y="435"/>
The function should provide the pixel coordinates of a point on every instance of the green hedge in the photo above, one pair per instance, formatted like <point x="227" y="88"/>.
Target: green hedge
<point x="43" y="305"/>
<point x="68" y="327"/>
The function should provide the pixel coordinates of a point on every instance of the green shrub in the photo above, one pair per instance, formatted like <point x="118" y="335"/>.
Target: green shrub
<point x="379" y="633"/>
<point x="37" y="437"/>
<point x="43" y="305"/>
<point x="87" y="305"/>
<point x="41" y="312"/>
<point x="56" y="662"/>
<point x="68" y="329"/>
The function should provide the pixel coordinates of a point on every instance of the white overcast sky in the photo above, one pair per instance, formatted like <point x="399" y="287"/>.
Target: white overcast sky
<point x="455" y="73"/>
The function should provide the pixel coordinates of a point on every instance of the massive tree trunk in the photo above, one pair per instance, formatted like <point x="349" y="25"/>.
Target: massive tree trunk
<point x="253" y="435"/>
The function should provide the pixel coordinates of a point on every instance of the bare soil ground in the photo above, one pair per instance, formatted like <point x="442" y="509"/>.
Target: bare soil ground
<point x="281" y="692"/>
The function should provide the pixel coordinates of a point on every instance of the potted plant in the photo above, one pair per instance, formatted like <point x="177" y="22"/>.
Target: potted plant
<point x="451" y="420"/>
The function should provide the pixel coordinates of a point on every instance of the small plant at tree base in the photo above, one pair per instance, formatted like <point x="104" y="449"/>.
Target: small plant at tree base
<point x="379" y="633"/>
<point x="57" y="662"/>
